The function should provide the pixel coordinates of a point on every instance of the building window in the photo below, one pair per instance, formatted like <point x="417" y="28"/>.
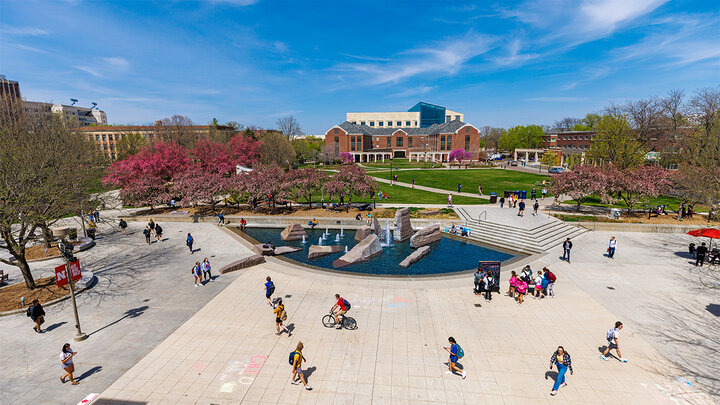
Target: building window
<point x="103" y="137"/>
<point x="447" y="118"/>
<point x="457" y="117"/>
<point x="409" y="141"/>
<point x="362" y="122"/>
<point x="415" y="123"/>
<point x="467" y="142"/>
<point x="399" y="142"/>
<point x="388" y="142"/>
<point x="449" y="142"/>
<point x="377" y="138"/>
<point x="372" y="123"/>
<point x="399" y="123"/>
<point x="442" y="142"/>
<point x="97" y="137"/>
<point x="389" y="123"/>
<point x="380" y="123"/>
<point x="337" y="139"/>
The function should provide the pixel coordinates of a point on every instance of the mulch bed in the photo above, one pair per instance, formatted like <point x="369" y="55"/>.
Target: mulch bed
<point x="38" y="251"/>
<point x="46" y="290"/>
<point x="640" y="218"/>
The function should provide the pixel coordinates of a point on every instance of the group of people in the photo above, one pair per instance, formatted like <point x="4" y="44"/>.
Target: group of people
<point x="462" y="231"/>
<point x="152" y="229"/>
<point x="543" y="284"/>
<point x="201" y="272"/>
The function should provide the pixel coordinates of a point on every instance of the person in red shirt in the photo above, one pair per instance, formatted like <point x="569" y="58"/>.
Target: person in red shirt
<point x="341" y="307"/>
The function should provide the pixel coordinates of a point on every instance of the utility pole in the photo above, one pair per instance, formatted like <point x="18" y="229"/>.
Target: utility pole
<point x="67" y="254"/>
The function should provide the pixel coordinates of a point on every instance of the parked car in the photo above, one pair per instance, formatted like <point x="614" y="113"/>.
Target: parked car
<point x="556" y="170"/>
<point x="514" y="163"/>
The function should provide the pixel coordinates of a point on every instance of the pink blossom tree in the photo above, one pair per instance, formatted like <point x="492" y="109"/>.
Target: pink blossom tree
<point x="459" y="155"/>
<point x="199" y="186"/>
<point x="305" y="183"/>
<point x="350" y="181"/>
<point x="264" y="182"/>
<point x="144" y="178"/>
<point x="581" y="182"/>
<point x="244" y="150"/>
<point x="212" y="157"/>
<point x="638" y="184"/>
<point x="347" y="158"/>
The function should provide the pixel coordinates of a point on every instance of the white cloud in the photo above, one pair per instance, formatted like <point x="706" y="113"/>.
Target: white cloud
<point x="116" y="61"/>
<point x="88" y="69"/>
<point x="607" y="15"/>
<point x="587" y="76"/>
<point x="280" y="46"/>
<point x="515" y="57"/>
<point x="445" y="58"/>
<point x="23" y="31"/>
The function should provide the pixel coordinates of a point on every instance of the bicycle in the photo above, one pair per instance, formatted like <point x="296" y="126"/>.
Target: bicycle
<point x="346" y="321"/>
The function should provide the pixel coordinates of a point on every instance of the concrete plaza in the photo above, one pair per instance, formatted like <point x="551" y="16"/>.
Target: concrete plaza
<point x="228" y="353"/>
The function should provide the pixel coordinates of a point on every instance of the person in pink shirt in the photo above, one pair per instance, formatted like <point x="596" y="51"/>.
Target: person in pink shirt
<point x="521" y="287"/>
<point x="513" y="284"/>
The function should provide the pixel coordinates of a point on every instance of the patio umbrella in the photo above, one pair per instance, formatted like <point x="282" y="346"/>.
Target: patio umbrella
<point x="711" y="233"/>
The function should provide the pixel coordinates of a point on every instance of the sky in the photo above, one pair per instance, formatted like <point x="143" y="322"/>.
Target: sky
<point x="252" y="61"/>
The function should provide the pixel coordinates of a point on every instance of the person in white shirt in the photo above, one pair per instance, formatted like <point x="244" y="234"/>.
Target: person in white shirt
<point x="538" y="291"/>
<point x="611" y="248"/>
<point x="66" y="359"/>
<point x="613" y="335"/>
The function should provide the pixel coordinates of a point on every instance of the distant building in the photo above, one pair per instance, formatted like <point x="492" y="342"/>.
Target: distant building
<point x="371" y="144"/>
<point x="421" y="115"/>
<point x="83" y="115"/>
<point x="9" y="88"/>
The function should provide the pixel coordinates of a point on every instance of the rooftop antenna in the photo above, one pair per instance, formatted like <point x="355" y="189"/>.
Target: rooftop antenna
<point x="74" y="100"/>
<point x="94" y="105"/>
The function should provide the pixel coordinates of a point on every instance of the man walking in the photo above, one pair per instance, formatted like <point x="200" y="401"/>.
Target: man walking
<point x="550" y="277"/>
<point x="123" y="226"/>
<point x="533" y="194"/>
<point x="611" y="247"/>
<point x="535" y="207"/>
<point x="521" y="208"/>
<point x="700" y="254"/>
<point x="158" y="232"/>
<point x="146" y="232"/>
<point x="296" y="359"/>
<point x="478" y="281"/>
<point x="37" y="314"/>
<point x="269" y="290"/>
<point x="567" y="245"/>
<point x="221" y="218"/>
<point x="613" y="336"/>
<point x="459" y="187"/>
<point x="413" y="183"/>
<point x="189" y="242"/>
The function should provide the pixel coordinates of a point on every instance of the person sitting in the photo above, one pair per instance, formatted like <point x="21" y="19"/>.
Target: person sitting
<point x="268" y="245"/>
<point x="358" y="217"/>
<point x="464" y="231"/>
<point x="453" y="229"/>
<point x="313" y="223"/>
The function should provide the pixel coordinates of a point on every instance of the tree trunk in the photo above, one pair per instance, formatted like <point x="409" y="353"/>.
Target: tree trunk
<point x="25" y="269"/>
<point x="46" y="233"/>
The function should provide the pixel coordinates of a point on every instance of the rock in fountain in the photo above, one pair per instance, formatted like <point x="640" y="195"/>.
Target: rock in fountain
<point x="293" y="232"/>
<point x="403" y="229"/>
<point x="366" y="249"/>
<point x="376" y="229"/>
<point x="320" y="251"/>
<point x="415" y="256"/>
<point x="362" y="233"/>
<point x="425" y="236"/>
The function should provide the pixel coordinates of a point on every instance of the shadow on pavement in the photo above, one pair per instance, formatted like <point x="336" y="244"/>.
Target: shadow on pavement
<point x="309" y="371"/>
<point x="551" y="374"/>
<point x="713" y="309"/>
<point x="131" y="313"/>
<point x="55" y="326"/>
<point x="90" y="372"/>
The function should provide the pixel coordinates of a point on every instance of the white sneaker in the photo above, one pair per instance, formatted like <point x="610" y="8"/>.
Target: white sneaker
<point x="623" y="360"/>
<point x="602" y="356"/>
<point x="563" y="385"/>
<point x="463" y="375"/>
<point x="296" y="382"/>
<point x="307" y="387"/>
<point x="553" y="392"/>
<point x="448" y="372"/>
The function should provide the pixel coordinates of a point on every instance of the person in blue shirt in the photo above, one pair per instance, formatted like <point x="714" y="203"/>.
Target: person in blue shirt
<point x="269" y="290"/>
<point x="452" y="363"/>
<point x="189" y="242"/>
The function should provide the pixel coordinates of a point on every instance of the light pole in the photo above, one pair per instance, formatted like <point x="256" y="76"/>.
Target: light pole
<point x="391" y="166"/>
<point x="66" y="250"/>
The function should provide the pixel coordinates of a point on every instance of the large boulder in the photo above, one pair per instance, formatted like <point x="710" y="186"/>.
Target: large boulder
<point x="362" y="233"/>
<point x="263" y="249"/>
<point x="243" y="263"/>
<point x="377" y="229"/>
<point x="281" y="250"/>
<point x="403" y="229"/>
<point x="293" y="232"/>
<point x="425" y="236"/>
<point x="366" y="249"/>
<point x="415" y="256"/>
<point x="323" y="250"/>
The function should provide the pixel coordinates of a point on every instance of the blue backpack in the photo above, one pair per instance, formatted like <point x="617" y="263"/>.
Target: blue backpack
<point x="460" y="352"/>
<point x="347" y="304"/>
<point x="292" y="357"/>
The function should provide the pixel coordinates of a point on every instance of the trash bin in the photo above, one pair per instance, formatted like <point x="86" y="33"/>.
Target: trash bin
<point x="493" y="198"/>
<point x="615" y="213"/>
<point x="506" y="193"/>
<point x="523" y="195"/>
<point x="91" y="233"/>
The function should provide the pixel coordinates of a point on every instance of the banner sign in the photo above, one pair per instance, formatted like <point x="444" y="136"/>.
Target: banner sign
<point x="492" y="268"/>
<point x="61" y="275"/>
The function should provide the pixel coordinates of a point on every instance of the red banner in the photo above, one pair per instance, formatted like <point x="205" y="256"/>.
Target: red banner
<point x="75" y="271"/>
<point x="61" y="275"/>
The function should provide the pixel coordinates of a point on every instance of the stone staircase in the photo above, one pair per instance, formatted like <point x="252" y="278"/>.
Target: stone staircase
<point x="538" y="239"/>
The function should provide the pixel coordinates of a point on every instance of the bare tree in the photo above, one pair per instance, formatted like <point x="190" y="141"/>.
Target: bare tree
<point x="490" y="136"/>
<point x="277" y="150"/>
<point x="645" y="116"/>
<point x="289" y="126"/>
<point x="566" y="124"/>
<point x="672" y="108"/>
<point x="177" y="128"/>
<point x="705" y="104"/>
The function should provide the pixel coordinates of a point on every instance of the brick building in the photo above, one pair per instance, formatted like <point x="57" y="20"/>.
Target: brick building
<point x="372" y="144"/>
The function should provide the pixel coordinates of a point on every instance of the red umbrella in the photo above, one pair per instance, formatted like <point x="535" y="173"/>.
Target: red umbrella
<point x="711" y="233"/>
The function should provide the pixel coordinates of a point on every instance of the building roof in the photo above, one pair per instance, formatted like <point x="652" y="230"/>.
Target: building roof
<point x="434" y="129"/>
<point x="126" y="128"/>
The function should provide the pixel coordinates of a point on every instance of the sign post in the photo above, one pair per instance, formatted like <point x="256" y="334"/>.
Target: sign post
<point x="70" y="271"/>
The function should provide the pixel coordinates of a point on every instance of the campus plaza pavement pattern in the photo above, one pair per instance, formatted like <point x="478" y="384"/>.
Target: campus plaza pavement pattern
<point x="228" y="352"/>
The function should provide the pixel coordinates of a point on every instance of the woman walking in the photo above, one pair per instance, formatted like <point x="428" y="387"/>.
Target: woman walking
<point x="562" y="359"/>
<point x="197" y="273"/>
<point x="513" y="282"/>
<point x="297" y="359"/>
<point x="151" y="225"/>
<point x="611" y="247"/>
<point x="189" y="242"/>
<point x="455" y="354"/>
<point x="206" y="269"/>
<point x="123" y="226"/>
<point x="280" y="317"/>
<point x="66" y="359"/>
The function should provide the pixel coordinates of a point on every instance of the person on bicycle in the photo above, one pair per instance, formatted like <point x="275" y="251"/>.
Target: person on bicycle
<point x="341" y="307"/>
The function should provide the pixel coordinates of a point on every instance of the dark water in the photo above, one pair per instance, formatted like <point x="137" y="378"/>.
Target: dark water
<point x="446" y="255"/>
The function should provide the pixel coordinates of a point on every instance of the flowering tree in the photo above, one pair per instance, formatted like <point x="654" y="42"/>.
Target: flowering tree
<point x="244" y="150"/>
<point x="305" y="183"/>
<point x="197" y="185"/>
<point x="347" y="158"/>
<point x="635" y="185"/>
<point x="581" y="182"/>
<point x="264" y="182"/>
<point x="144" y="177"/>
<point x="212" y="157"/>
<point x="460" y="154"/>
<point x="349" y="181"/>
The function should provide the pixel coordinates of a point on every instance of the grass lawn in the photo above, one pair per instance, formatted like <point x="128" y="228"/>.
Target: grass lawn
<point x="671" y="203"/>
<point x="401" y="164"/>
<point x="405" y="195"/>
<point x="492" y="180"/>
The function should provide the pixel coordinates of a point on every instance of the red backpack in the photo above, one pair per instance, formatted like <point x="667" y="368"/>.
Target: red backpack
<point x="551" y="277"/>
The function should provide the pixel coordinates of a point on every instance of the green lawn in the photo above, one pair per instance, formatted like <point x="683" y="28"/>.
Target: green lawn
<point x="405" y="195"/>
<point x="400" y="164"/>
<point x="492" y="180"/>
<point x="671" y="203"/>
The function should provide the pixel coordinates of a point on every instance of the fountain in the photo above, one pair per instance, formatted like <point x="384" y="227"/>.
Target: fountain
<point x="327" y="231"/>
<point x="341" y="232"/>
<point x="337" y="237"/>
<point x="303" y="241"/>
<point x="388" y="238"/>
<point x="320" y="241"/>
<point x="346" y="250"/>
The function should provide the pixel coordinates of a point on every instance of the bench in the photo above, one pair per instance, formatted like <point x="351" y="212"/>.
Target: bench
<point x="3" y="277"/>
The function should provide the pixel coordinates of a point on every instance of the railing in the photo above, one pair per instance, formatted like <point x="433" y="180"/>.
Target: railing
<point x="481" y="215"/>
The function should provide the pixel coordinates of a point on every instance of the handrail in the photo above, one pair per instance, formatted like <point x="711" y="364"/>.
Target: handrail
<point x="481" y="214"/>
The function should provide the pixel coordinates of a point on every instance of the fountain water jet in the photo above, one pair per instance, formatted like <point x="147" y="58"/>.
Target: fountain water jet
<point x="346" y="250"/>
<point x="337" y="237"/>
<point x="320" y="241"/>
<point x="388" y="239"/>
<point x="341" y="232"/>
<point x="303" y="241"/>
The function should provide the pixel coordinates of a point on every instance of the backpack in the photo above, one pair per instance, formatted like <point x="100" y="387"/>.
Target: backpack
<point x="291" y="360"/>
<point x="283" y="315"/>
<point x="347" y="304"/>
<point x="271" y="288"/>
<point x="189" y="240"/>
<point x="610" y="336"/>
<point x="551" y="277"/>
<point x="29" y="311"/>
<point x="460" y="353"/>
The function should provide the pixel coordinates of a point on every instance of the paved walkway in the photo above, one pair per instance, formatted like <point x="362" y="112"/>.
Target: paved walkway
<point x="143" y="294"/>
<point x="227" y="353"/>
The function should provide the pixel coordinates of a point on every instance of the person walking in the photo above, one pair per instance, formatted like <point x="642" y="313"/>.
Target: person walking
<point x="449" y="198"/>
<point x="544" y="192"/>
<point x="296" y="361"/>
<point x="123" y="226"/>
<point x="567" y="245"/>
<point x="513" y="282"/>
<point x="521" y="208"/>
<point x="535" y="207"/>
<point x="456" y="353"/>
<point x="562" y="360"/>
<point x="613" y="337"/>
<point x="158" y="232"/>
<point x="146" y="232"/>
<point x="477" y="279"/>
<point x="521" y="288"/>
<point x="280" y="317"/>
<point x="37" y="314"/>
<point x="459" y="187"/>
<point x="66" y="359"/>
<point x="700" y="254"/>
<point x="196" y="271"/>
<point x="269" y="290"/>
<point x="413" y="183"/>
<point x="221" y="218"/>
<point x="611" y="247"/>
<point x="487" y="286"/>
<point x="151" y="225"/>
<point x="480" y="189"/>
<point x="189" y="242"/>
<point x="550" y="277"/>
<point x="502" y="201"/>
<point x="206" y="270"/>
<point x="533" y="194"/>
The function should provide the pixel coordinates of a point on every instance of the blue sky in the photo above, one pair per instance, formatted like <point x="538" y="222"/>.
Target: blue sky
<point x="501" y="63"/>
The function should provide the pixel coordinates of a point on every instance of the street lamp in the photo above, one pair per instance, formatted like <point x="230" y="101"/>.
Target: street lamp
<point x="66" y="249"/>
<point x="391" y="166"/>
